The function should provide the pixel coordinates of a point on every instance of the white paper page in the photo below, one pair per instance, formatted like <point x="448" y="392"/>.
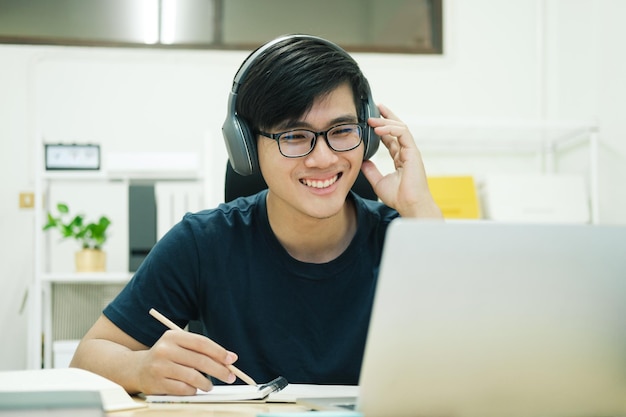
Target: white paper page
<point x="292" y="392"/>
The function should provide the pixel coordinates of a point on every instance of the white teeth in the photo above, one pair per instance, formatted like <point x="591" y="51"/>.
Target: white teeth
<point x="320" y="184"/>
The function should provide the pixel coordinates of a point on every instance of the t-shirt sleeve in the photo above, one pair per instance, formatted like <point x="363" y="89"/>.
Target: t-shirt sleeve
<point x="166" y="281"/>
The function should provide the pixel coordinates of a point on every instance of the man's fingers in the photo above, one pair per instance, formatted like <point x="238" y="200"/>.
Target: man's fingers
<point x="185" y="380"/>
<point x="201" y="353"/>
<point x="372" y="173"/>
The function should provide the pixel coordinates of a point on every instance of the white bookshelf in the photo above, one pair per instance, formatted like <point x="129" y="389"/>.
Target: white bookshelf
<point x="48" y="276"/>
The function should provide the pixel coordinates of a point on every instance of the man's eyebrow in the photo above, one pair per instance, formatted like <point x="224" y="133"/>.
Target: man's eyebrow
<point x="300" y="124"/>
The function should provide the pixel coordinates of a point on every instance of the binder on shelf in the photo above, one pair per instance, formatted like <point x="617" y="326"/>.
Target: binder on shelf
<point x="456" y="196"/>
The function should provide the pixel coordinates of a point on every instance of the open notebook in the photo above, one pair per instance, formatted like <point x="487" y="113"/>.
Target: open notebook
<point x="226" y="393"/>
<point x="270" y="392"/>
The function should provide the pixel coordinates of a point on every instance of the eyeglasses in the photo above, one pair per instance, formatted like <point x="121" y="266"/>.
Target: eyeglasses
<point x="300" y="142"/>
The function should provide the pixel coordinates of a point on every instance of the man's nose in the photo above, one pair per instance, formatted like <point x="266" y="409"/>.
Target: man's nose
<point x="322" y="150"/>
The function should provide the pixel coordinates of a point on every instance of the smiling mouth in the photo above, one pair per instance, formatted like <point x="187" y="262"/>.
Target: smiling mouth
<point x="319" y="183"/>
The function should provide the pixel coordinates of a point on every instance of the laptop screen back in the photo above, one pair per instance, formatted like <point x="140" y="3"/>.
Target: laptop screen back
<point x="491" y="319"/>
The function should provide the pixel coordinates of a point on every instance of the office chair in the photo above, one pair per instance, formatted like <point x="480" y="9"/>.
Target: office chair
<point x="236" y="185"/>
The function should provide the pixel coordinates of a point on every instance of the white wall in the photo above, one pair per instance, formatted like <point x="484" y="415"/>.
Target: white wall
<point x="513" y="60"/>
<point x="586" y="63"/>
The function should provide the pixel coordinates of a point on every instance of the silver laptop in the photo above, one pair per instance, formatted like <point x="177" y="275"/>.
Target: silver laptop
<point x="480" y="319"/>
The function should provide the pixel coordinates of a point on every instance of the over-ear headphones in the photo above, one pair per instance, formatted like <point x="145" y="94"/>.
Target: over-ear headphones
<point x="241" y="141"/>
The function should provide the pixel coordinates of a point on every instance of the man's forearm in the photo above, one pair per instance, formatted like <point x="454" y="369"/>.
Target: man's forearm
<point x="111" y="360"/>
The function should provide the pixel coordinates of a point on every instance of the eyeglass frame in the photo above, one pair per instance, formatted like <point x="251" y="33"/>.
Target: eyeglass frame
<point x="324" y="133"/>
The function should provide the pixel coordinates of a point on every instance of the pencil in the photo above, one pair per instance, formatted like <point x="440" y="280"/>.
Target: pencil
<point x="171" y="325"/>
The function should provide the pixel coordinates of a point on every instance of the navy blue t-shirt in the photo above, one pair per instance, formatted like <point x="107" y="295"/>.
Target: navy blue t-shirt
<point x="283" y="317"/>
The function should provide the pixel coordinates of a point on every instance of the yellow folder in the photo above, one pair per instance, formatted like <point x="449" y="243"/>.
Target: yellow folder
<point x="456" y="196"/>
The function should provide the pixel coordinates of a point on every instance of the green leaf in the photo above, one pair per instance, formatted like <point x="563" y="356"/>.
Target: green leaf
<point x="88" y="234"/>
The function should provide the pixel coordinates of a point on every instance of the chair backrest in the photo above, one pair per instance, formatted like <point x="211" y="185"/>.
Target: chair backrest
<point x="236" y="185"/>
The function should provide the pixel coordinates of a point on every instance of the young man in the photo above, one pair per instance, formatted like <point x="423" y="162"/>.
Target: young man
<point x="284" y="278"/>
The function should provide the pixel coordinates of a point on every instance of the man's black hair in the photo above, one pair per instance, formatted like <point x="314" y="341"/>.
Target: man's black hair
<point x="283" y="83"/>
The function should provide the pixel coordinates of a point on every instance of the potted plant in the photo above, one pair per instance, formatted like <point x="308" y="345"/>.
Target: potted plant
<point x="90" y="235"/>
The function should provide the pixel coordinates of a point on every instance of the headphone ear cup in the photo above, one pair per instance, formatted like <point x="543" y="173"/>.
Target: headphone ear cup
<point x="239" y="141"/>
<point x="370" y="138"/>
